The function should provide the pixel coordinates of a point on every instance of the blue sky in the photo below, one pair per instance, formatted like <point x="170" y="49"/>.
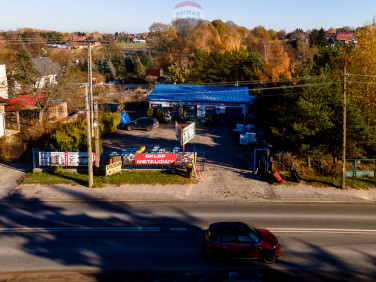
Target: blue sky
<point x="136" y="16"/>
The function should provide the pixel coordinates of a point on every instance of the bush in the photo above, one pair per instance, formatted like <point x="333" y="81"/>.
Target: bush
<point x="71" y="136"/>
<point x="108" y="122"/>
<point x="150" y="112"/>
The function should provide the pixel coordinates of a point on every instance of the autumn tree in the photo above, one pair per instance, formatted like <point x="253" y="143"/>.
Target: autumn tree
<point x="162" y="37"/>
<point x="179" y="73"/>
<point x="277" y="62"/>
<point x="361" y="61"/>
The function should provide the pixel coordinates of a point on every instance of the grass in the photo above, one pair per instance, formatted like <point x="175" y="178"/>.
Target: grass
<point x="132" y="45"/>
<point x="126" y="177"/>
<point x="327" y="181"/>
<point x="351" y="182"/>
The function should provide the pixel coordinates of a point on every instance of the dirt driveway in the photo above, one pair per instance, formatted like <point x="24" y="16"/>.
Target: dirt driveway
<point x="220" y="144"/>
<point x="227" y="172"/>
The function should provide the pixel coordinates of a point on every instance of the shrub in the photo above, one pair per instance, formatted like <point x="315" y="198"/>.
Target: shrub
<point x="108" y="122"/>
<point x="150" y="112"/>
<point x="71" y="136"/>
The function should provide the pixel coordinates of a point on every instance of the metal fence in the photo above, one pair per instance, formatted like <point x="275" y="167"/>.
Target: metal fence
<point x="360" y="167"/>
<point x="128" y="153"/>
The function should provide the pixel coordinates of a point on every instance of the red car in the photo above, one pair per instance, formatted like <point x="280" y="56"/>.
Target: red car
<point x="236" y="240"/>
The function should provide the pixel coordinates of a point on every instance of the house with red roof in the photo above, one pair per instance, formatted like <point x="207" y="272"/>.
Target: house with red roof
<point x="345" y="37"/>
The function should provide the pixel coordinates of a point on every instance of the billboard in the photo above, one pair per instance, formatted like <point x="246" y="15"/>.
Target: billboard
<point x="64" y="158"/>
<point x="185" y="133"/>
<point x="155" y="159"/>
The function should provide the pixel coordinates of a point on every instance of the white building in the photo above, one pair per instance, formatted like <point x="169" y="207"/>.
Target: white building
<point x="3" y="82"/>
<point x="139" y="40"/>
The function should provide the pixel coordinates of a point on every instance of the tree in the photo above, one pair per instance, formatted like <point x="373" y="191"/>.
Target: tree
<point x="179" y="73"/>
<point x="147" y="60"/>
<point x="277" y="63"/>
<point x="361" y="60"/>
<point x="162" y="37"/>
<point x="261" y="32"/>
<point x="318" y="38"/>
<point x="281" y="34"/>
<point x="25" y="71"/>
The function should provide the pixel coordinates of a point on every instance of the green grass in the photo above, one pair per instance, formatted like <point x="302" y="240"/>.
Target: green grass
<point x="132" y="45"/>
<point x="126" y="177"/>
<point x="351" y="182"/>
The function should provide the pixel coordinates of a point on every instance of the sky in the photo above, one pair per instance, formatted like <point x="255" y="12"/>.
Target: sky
<point x="132" y="16"/>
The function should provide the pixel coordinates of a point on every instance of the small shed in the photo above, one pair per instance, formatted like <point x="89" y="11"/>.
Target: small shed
<point x="202" y="102"/>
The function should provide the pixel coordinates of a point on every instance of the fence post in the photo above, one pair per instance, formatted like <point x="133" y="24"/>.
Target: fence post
<point x="354" y="169"/>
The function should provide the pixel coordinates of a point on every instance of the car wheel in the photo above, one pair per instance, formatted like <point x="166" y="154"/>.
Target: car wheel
<point x="149" y="128"/>
<point x="130" y="127"/>
<point x="268" y="257"/>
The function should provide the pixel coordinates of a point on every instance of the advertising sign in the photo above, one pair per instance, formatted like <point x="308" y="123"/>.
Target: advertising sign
<point x="185" y="133"/>
<point x="155" y="159"/>
<point x="189" y="132"/>
<point x="64" y="158"/>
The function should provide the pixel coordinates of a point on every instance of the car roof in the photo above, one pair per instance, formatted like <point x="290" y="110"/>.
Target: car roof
<point x="233" y="228"/>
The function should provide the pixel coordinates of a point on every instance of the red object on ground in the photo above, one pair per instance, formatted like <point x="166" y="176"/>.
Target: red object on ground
<point x="279" y="176"/>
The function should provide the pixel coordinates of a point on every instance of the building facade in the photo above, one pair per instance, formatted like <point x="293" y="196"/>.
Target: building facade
<point x="201" y="103"/>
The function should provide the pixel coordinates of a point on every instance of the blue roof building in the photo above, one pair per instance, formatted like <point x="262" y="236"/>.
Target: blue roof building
<point x="228" y="103"/>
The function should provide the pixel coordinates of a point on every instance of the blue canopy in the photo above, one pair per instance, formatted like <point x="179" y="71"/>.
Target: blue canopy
<point x="199" y="93"/>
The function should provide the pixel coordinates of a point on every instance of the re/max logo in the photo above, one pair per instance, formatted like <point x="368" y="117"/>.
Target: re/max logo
<point x="186" y="13"/>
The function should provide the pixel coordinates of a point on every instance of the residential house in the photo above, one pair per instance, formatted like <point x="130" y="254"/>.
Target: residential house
<point x="46" y="72"/>
<point x="139" y="40"/>
<point x="345" y="37"/>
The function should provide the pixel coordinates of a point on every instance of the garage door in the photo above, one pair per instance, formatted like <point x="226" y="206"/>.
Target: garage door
<point x="234" y="115"/>
<point x="2" y="125"/>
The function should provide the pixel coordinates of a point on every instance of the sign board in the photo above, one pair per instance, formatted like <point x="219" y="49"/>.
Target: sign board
<point x="185" y="133"/>
<point x="64" y="158"/>
<point x="114" y="168"/>
<point x="155" y="159"/>
<point x="189" y="132"/>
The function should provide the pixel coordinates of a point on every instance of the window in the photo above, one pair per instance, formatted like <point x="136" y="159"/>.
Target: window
<point x="254" y="236"/>
<point x="228" y="239"/>
<point x="244" y="239"/>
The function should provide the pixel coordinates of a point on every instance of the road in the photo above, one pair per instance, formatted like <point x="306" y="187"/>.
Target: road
<point x="333" y="237"/>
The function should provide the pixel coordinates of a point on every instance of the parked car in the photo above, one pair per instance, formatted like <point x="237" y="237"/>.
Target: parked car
<point x="236" y="240"/>
<point x="145" y="123"/>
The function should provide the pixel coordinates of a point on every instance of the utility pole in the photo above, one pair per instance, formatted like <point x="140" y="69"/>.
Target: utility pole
<point x="90" y="78"/>
<point x="89" y="149"/>
<point x="96" y="129"/>
<point x="344" y="128"/>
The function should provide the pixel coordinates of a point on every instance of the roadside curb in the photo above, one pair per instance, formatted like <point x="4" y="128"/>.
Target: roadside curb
<point x="186" y="200"/>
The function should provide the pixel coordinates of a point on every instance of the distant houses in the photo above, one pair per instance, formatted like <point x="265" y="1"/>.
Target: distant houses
<point x="139" y="40"/>
<point x="345" y="37"/>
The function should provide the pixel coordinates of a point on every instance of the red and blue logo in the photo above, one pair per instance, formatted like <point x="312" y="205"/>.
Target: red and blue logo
<point x="188" y="10"/>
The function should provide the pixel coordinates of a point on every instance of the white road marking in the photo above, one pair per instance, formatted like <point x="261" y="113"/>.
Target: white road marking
<point x="320" y="230"/>
<point x="79" y="229"/>
<point x="171" y="229"/>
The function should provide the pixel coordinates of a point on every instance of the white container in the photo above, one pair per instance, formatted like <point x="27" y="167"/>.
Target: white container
<point x="243" y="139"/>
<point x="251" y="137"/>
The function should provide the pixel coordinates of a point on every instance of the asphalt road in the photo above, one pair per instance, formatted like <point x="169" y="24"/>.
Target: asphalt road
<point x="327" y="237"/>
